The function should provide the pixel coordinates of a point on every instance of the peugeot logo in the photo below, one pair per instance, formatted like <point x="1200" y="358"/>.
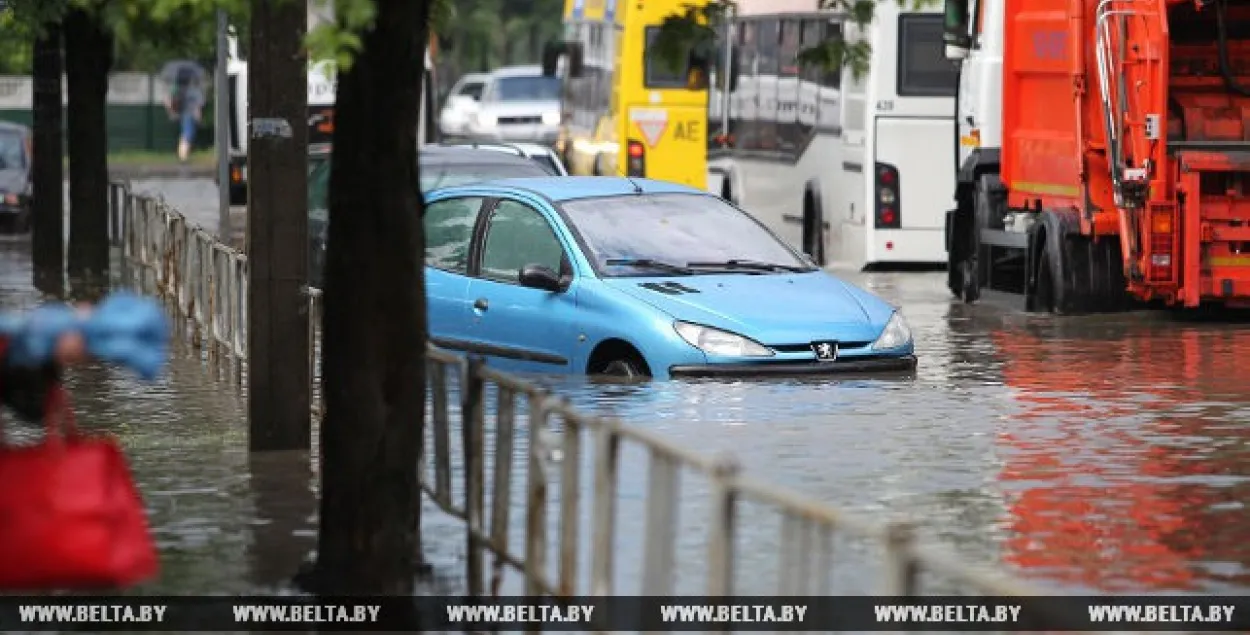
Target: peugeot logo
<point x="825" y="351"/>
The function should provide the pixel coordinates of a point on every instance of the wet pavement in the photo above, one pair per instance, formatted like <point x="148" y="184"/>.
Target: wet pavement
<point x="1106" y="453"/>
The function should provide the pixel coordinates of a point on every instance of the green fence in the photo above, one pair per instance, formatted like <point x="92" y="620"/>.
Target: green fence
<point x="136" y="112"/>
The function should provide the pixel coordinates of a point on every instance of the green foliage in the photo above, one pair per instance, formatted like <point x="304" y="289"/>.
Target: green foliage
<point x="15" y="46"/>
<point x="339" y="41"/>
<point x="148" y="33"/>
<point x="480" y="35"/>
<point x="698" y="26"/>
<point x="694" y="28"/>
<point x="475" y="34"/>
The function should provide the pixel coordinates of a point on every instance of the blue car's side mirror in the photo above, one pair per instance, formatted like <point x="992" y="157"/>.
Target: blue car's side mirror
<point x="541" y="277"/>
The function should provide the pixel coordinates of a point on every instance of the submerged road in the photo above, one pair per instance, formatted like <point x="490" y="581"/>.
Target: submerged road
<point x="1105" y="453"/>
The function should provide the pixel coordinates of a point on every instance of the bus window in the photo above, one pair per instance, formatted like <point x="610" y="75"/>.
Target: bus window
<point x="768" y="40"/>
<point x="658" y="72"/>
<point x="769" y="37"/>
<point x="744" y="103"/>
<point x="923" y="70"/>
<point x="788" y="125"/>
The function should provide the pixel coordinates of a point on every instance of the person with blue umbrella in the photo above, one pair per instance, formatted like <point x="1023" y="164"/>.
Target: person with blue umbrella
<point x="185" y="101"/>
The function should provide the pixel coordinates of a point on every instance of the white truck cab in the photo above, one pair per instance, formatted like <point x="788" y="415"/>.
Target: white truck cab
<point x="974" y="36"/>
<point x="322" y="85"/>
<point x="321" y="90"/>
<point x="979" y="105"/>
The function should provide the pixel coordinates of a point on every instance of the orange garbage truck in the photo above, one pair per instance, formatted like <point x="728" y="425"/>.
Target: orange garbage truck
<point x="1104" y="152"/>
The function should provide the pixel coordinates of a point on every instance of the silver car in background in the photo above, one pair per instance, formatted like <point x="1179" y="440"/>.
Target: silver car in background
<point x="461" y="103"/>
<point x="543" y="155"/>
<point x="519" y="104"/>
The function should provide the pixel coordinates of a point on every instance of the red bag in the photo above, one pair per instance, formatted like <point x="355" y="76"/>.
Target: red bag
<point x="71" y="517"/>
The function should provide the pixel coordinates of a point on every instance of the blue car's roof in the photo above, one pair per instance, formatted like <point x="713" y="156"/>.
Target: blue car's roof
<point x="567" y="188"/>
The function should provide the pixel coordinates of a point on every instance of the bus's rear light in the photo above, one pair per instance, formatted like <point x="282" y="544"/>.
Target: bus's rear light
<point x="888" y="205"/>
<point x="637" y="164"/>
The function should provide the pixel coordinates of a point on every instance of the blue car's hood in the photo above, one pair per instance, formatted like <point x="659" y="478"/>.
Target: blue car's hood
<point x="771" y="309"/>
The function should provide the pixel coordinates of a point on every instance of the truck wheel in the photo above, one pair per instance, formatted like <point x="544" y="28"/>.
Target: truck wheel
<point x="1109" y="284"/>
<point x="954" y="272"/>
<point x="1042" y="295"/>
<point x="1061" y="257"/>
<point x="960" y="244"/>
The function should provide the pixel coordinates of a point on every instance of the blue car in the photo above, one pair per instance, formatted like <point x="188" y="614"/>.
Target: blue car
<point x="639" y="278"/>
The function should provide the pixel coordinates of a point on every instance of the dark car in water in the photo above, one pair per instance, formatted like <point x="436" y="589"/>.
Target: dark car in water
<point x="14" y="177"/>
<point x="439" y="166"/>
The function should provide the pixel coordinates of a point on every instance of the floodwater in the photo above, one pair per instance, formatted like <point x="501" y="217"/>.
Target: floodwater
<point x="1101" y="453"/>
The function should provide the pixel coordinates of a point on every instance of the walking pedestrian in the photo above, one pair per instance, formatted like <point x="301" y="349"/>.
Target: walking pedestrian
<point x="185" y="104"/>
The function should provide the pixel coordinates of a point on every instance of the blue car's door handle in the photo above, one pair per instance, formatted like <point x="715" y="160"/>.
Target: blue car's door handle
<point x="481" y="304"/>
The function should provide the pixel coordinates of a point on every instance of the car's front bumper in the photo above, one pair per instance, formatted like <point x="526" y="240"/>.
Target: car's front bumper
<point x="846" y="365"/>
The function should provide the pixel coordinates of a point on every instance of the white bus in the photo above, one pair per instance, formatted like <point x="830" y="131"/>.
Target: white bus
<point x="850" y="171"/>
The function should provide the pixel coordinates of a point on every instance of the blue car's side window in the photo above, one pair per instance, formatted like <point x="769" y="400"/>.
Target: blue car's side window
<point x="449" y="232"/>
<point x="517" y="236"/>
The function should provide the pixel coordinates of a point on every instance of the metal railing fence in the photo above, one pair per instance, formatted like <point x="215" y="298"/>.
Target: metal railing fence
<point x="207" y="281"/>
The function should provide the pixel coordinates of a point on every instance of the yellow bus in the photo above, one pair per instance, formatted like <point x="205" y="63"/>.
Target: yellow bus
<point x="625" y="111"/>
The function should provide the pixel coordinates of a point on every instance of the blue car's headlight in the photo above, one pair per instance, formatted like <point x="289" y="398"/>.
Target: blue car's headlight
<point x="895" y="334"/>
<point x="720" y="343"/>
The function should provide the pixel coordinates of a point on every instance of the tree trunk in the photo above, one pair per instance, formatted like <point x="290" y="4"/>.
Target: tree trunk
<point x="374" y="325"/>
<point x="88" y="58"/>
<point x="48" y="171"/>
<point x="277" y="230"/>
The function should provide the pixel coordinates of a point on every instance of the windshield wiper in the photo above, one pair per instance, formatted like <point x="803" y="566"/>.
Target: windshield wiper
<point x="647" y="263"/>
<point x="748" y="265"/>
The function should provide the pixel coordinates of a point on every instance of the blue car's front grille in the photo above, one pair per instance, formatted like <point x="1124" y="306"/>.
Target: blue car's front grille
<point x="807" y="348"/>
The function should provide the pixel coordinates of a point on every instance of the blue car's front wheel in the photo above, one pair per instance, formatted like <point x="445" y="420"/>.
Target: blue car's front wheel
<point x="624" y="368"/>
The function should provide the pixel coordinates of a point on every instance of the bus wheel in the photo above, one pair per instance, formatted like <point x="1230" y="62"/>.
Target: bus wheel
<point x="813" y="230"/>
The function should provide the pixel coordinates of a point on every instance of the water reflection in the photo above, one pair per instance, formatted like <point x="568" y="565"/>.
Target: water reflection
<point x="1126" y="467"/>
<point x="284" y="532"/>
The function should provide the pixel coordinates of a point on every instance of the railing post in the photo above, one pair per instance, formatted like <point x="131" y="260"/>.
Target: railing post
<point x="112" y="213"/>
<point x="536" y="498"/>
<point x="501" y="491"/>
<point x="570" y="493"/>
<point x="663" y="489"/>
<point x="901" y="571"/>
<point x="720" y="544"/>
<point x="472" y="417"/>
<point x="603" y="504"/>
<point x="440" y="422"/>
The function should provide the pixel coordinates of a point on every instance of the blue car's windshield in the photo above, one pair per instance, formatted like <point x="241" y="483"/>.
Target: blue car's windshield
<point x="527" y="88"/>
<point x="652" y="234"/>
